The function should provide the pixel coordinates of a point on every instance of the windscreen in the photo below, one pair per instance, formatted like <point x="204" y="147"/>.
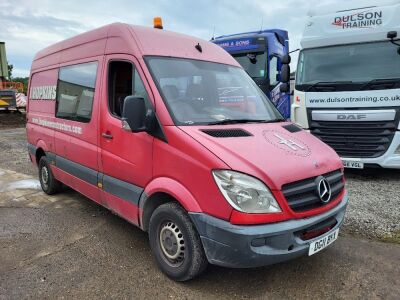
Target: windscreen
<point x="253" y="63"/>
<point x="200" y="92"/>
<point x="353" y="63"/>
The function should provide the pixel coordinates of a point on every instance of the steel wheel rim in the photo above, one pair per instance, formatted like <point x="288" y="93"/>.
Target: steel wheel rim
<point x="45" y="176"/>
<point x="172" y="243"/>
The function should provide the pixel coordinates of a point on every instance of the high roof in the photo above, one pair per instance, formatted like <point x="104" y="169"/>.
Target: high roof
<point x="129" y="39"/>
<point x="281" y="32"/>
<point x="351" y="22"/>
<point x="342" y="6"/>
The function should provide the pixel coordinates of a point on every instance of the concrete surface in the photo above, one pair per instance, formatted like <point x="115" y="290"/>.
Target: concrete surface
<point x="66" y="246"/>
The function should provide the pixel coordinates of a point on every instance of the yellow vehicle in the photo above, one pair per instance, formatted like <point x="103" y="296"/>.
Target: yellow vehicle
<point x="11" y="95"/>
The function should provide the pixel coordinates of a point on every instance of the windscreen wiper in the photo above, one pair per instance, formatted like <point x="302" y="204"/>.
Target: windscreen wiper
<point x="379" y="81"/>
<point x="327" y="84"/>
<point x="241" y="121"/>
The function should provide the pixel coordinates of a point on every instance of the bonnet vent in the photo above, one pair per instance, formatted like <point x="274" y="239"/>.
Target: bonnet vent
<point x="292" y="128"/>
<point x="224" y="133"/>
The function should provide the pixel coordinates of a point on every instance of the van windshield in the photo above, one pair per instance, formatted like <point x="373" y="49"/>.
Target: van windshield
<point x="348" y="63"/>
<point x="200" y="92"/>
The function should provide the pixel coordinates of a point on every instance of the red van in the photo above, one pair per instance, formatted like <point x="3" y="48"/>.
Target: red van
<point x="170" y="133"/>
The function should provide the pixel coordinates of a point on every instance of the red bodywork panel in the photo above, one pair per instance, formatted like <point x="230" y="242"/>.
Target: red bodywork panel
<point x="180" y="166"/>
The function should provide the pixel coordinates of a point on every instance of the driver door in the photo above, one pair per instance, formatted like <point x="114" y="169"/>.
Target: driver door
<point x="126" y="157"/>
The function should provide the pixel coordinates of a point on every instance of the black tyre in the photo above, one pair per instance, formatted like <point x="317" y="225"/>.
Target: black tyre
<point x="175" y="243"/>
<point x="49" y="184"/>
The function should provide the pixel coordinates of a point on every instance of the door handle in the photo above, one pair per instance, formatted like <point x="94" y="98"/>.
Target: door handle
<point x="107" y="135"/>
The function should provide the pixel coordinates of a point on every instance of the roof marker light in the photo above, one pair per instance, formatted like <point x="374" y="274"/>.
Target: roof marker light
<point x="157" y="22"/>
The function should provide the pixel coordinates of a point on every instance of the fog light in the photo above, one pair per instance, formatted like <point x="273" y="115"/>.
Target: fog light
<point x="258" y="242"/>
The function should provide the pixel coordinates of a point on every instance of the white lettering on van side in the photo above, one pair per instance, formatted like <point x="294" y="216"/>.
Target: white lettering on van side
<point x="57" y="125"/>
<point x="46" y="92"/>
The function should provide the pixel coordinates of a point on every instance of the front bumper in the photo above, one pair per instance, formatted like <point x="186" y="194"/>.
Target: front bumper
<point x="234" y="246"/>
<point x="389" y="160"/>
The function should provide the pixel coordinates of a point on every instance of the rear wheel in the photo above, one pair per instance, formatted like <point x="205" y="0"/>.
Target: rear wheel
<point x="49" y="184"/>
<point x="175" y="243"/>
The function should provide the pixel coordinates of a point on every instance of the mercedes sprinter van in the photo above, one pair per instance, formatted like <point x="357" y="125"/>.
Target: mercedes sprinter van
<point x="169" y="132"/>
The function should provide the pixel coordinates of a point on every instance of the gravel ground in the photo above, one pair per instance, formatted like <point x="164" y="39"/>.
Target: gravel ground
<point x="67" y="247"/>
<point x="374" y="209"/>
<point x="11" y="119"/>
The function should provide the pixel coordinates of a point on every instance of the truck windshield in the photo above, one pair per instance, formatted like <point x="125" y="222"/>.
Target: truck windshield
<point x="200" y="92"/>
<point x="253" y="63"/>
<point x="348" y="63"/>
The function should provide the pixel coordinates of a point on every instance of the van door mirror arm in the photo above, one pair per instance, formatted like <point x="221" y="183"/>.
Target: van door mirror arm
<point x="137" y="118"/>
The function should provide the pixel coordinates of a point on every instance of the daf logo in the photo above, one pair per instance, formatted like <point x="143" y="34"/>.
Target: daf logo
<point x="324" y="190"/>
<point x="351" y="116"/>
<point x="291" y="144"/>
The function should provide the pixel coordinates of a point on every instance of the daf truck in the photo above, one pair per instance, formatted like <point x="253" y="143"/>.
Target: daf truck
<point x="347" y="90"/>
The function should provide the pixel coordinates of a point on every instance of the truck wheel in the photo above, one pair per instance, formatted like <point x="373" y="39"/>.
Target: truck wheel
<point x="175" y="243"/>
<point x="49" y="184"/>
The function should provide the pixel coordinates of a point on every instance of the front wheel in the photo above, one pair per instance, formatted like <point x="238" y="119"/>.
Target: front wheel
<point x="175" y="243"/>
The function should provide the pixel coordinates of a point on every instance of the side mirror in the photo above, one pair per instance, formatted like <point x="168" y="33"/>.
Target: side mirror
<point x="285" y="73"/>
<point x="135" y="117"/>
<point x="391" y="35"/>
<point x="286" y="59"/>
<point x="284" y="87"/>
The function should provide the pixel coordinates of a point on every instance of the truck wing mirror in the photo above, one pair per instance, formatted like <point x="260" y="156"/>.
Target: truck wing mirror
<point x="135" y="116"/>
<point x="284" y="87"/>
<point x="285" y="73"/>
<point x="286" y="59"/>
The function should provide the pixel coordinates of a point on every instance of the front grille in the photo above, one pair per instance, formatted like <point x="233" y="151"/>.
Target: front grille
<point x="303" y="195"/>
<point x="355" y="139"/>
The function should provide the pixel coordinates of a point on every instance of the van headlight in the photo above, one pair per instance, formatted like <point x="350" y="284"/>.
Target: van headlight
<point x="245" y="193"/>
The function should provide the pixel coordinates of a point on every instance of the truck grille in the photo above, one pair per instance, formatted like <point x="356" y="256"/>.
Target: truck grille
<point x="303" y="195"/>
<point x="355" y="139"/>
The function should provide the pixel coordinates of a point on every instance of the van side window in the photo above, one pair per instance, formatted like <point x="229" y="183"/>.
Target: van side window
<point x="75" y="92"/>
<point x="124" y="80"/>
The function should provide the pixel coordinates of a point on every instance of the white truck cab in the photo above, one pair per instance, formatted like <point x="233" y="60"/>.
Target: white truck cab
<point x="347" y="89"/>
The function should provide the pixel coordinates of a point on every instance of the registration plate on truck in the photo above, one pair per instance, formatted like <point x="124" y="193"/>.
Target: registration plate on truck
<point x="353" y="164"/>
<point x="323" y="242"/>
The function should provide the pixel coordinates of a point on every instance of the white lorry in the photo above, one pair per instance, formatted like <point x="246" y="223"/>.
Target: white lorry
<point x="347" y="89"/>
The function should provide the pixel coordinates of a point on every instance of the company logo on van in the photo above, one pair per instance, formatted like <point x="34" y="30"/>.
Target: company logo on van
<point x="287" y="143"/>
<point x="46" y="92"/>
<point x="363" y="19"/>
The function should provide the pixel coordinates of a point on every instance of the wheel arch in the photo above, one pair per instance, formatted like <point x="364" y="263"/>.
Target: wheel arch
<point x="39" y="154"/>
<point x="160" y="191"/>
<point x="41" y="149"/>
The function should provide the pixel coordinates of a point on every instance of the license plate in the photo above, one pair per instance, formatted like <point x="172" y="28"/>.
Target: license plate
<point x="323" y="242"/>
<point x="353" y="164"/>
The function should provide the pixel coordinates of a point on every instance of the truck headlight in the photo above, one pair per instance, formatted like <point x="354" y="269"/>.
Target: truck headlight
<point x="245" y="193"/>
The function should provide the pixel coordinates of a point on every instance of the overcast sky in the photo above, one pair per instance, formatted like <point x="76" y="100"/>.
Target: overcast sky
<point x="29" y="26"/>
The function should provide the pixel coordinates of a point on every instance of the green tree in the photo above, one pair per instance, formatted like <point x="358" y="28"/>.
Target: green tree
<point x="10" y="69"/>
